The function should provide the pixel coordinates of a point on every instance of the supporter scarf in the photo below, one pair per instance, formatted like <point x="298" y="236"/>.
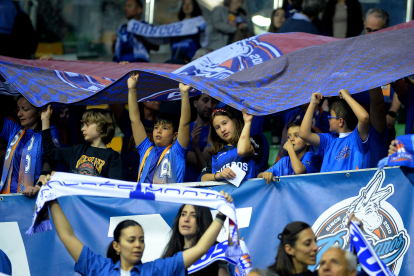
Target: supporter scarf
<point x="65" y="184"/>
<point x="404" y="154"/>
<point x="149" y="154"/>
<point x="129" y="48"/>
<point x="27" y="170"/>
<point x="369" y="260"/>
<point x="161" y="34"/>
<point x="218" y="253"/>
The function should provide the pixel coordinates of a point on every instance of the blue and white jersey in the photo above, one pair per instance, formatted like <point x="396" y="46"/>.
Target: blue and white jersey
<point x="345" y="152"/>
<point x="227" y="156"/>
<point x="129" y="47"/>
<point x="34" y="157"/>
<point x="311" y="161"/>
<point x="171" y="168"/>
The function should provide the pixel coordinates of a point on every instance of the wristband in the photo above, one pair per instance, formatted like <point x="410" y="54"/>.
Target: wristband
<point x="392" y="114"/>
<point x="220" y="216"/>
<point x="39" y="183"/>
<point x="215" y="177"/>
<point x="219" y="221"/>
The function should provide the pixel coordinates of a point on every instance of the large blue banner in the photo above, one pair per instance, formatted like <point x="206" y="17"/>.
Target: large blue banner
<point x="382" y="200"/>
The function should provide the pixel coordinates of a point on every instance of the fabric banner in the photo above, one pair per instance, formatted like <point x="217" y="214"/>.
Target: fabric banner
<point x="367" y="257"/>
<point x="404" y="154"/>
<point x="324" y="201"/>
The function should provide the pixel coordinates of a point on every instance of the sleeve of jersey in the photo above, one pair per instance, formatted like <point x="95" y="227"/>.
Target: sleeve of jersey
<point x="89" y="261"/>
<point x="208" y="168"/>
<point x="275" y="169"/>
<point x="257" y="143"/>
<point x="179" y="150"/>
<point x="312" y="162"/>
<point x="362" y="146"/>
<point x="142" y="148"/>
<point x="325" y="139"/>
<point x="8" y="128"/>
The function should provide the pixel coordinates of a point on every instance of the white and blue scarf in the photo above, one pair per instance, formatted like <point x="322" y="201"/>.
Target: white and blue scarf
<point x="369" y="260"/>
<point x="65" y="184"/>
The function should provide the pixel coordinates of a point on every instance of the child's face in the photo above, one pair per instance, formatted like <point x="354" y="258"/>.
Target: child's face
<point x="163" y="134"/>
<point x="334" y="124"/>
<point x="89" y="132"/>
<point x="224" y="127"/>
<point x="293" y="135"/>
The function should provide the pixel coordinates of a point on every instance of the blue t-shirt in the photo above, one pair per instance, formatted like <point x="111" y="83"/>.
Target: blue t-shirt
<point x="378" y="146"/>
<point x="5" y="264"/>
<point x="171" y="169"/>
<point x="192" y="173"/>
<point x="228" y="156"/>
<point x="184" y="47"/>
<point x="311" y="161"/>
<point x="8" y="132"/>
<point x="340" y="154"/>
<point x="90" y="264"/>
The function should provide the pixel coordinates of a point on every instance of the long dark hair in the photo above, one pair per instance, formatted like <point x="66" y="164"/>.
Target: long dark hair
<point x="111" y="253"/>
<point x="196" y="10"/>
<point x="284" y="264"/>
<point x="176" y="243"/>
<point x="272" y="28"/>
<point x="355" y="19"/>
<point x="215" y="141"/>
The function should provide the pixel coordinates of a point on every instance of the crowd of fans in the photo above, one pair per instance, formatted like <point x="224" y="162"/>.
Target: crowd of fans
<point x="326" y="135"/>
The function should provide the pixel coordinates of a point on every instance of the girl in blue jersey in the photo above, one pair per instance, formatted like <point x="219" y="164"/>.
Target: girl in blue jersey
<point x="126" y="250"/>
<point x="300" y="159"/>
<point x="24" y="167"/>
<point x="231" y="144"/>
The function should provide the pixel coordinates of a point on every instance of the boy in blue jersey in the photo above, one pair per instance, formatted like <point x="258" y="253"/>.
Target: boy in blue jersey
<point x="163" y="160"/>
<point x="299" y="161"/>
<point x="345" y="148"/>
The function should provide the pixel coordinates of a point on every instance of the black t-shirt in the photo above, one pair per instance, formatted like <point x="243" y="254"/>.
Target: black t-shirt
<point x="84" y="159"/>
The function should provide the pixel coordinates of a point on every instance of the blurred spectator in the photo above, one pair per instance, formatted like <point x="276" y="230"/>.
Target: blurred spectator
<point x="302" y="21"/>
<point x="343" y="18"/>
<point x="276" y="20"/>
<point x="17" y="36"/>
<point x="291" y="7"/>
<point x="230" y="23"/>
<point x="201" y="52"/>
<point x="376" y="19"/>
<point x="130" y="47"/>
<point x="184" y="48"/>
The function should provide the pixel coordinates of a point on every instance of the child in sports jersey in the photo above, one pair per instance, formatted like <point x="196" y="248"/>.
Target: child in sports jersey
<point x="299" y="161"/>
<point x="90" y="158"/>
<point x="231" y="144"/>
<point x="345" y="148"/>
<point x="163" y="160"/>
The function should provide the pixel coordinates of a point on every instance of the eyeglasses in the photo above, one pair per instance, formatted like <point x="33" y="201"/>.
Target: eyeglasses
<point x="330" y="117"/>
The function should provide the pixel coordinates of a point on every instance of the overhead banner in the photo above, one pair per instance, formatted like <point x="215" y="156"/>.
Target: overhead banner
<point x="382" y="200"/>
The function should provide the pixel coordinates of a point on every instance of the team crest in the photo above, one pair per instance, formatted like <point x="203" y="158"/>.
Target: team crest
<point x="383" y="225"/>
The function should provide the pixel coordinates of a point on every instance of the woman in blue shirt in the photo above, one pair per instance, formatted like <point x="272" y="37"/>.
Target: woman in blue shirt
<point x="24" y="164"/>
<point x="126" y="250"/>
<point x="232" y="145"/>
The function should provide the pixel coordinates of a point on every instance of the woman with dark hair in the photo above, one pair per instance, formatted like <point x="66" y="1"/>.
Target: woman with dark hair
<point x="230" y="23"/>
<point x="24" y="167"/>
<point x="343" y="18"/>
<point x="126" y="250"/>
<point x="184" y="48"/>
<point x="189" y="225"/>
<point x="231" y="145"/>
<point x="276" y="20"/>
<point x="297" y="250"/>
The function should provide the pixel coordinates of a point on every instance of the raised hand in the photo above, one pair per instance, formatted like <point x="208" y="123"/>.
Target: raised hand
<point x="46" y="113"/>
<point x="228" y="197"/>
<point x="133" y="80"/>
<point x="246" y="117"/>
<point x="195" y="135"/>
<point x="288" y="145"/>
<point x="343" y="93"/>
<point x="316" y="98"/>
<point x="184" y="89"/>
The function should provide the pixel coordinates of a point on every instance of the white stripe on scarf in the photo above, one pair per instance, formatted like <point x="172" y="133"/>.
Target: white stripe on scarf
<point x="67" y="184"/>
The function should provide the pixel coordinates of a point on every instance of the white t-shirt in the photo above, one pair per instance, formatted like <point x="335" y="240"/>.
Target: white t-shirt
<point x="125" y="273"/>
